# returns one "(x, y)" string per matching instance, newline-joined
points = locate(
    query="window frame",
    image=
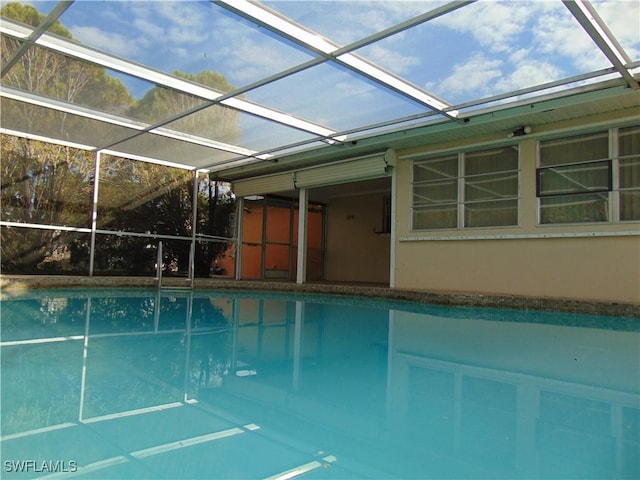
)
(613, 190)
(461, 180)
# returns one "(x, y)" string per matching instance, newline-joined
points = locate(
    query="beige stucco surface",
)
(598, 261)
(601, 268)
(355, 250)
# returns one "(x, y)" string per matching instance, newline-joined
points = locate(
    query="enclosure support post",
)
(303, 211)
(234, 340)
(194, 228)
(187, 352)
(94, 213)
(159, 258)
(392, 235)
(238, 235)
(297, 345)
(85, 354)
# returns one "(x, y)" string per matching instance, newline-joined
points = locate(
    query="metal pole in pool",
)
(158, 278)
(194, 228)
(85, 355)
(187, 353)
(94, 214)
(297, 344)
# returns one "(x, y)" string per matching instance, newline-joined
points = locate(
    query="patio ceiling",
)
(305, 80)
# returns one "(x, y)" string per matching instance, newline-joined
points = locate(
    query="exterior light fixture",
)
(520, 132)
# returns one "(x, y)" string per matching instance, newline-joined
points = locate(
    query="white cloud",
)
(355, 89)
(181, 52)
(495, 25)
(559, 33)
(347, 21)
(249, 60)
(481, 76)
(391, 59)
(475, 75)
(148, 28)
(115, 43)
(527, 75)
(174, 22)
(621, 17)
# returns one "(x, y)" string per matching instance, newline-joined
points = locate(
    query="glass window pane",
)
(630, 205)
(491, 214)
(630, 189)
(435, 217)
(489, 161)
(144, 197)
(587, 177)
(492, 186)
(45, 183)
(629, 141)
(435, 193)
(38, 251)
(580, 148)
(630, 173)
(436, 169)
(591, 207)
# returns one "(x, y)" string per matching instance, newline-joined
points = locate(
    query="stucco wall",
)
(588, 262)
(598, 268)
(354, 252)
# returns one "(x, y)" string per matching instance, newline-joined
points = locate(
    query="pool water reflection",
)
(200, 384)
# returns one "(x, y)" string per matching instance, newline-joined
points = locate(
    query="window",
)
(474, 189)
(629, 176)
(582, 179)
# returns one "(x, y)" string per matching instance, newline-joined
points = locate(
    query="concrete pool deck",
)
(17, 283)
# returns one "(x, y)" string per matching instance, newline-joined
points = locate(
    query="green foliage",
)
(216, 122)
(53, 185)
(42, 183)
(215, 210)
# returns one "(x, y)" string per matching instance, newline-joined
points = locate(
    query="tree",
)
(45, 183)
(53, 185)
(215, 122)
(54, 75)
(215, 211)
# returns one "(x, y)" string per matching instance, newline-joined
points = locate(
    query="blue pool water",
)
(178, 384)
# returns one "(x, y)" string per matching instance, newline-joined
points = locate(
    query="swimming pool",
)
(201, 384)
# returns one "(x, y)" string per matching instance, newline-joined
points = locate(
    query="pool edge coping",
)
(12, 283)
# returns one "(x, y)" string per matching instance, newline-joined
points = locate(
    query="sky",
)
(487, 48)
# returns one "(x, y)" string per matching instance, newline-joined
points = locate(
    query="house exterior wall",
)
(597, 261)
(354, 251)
